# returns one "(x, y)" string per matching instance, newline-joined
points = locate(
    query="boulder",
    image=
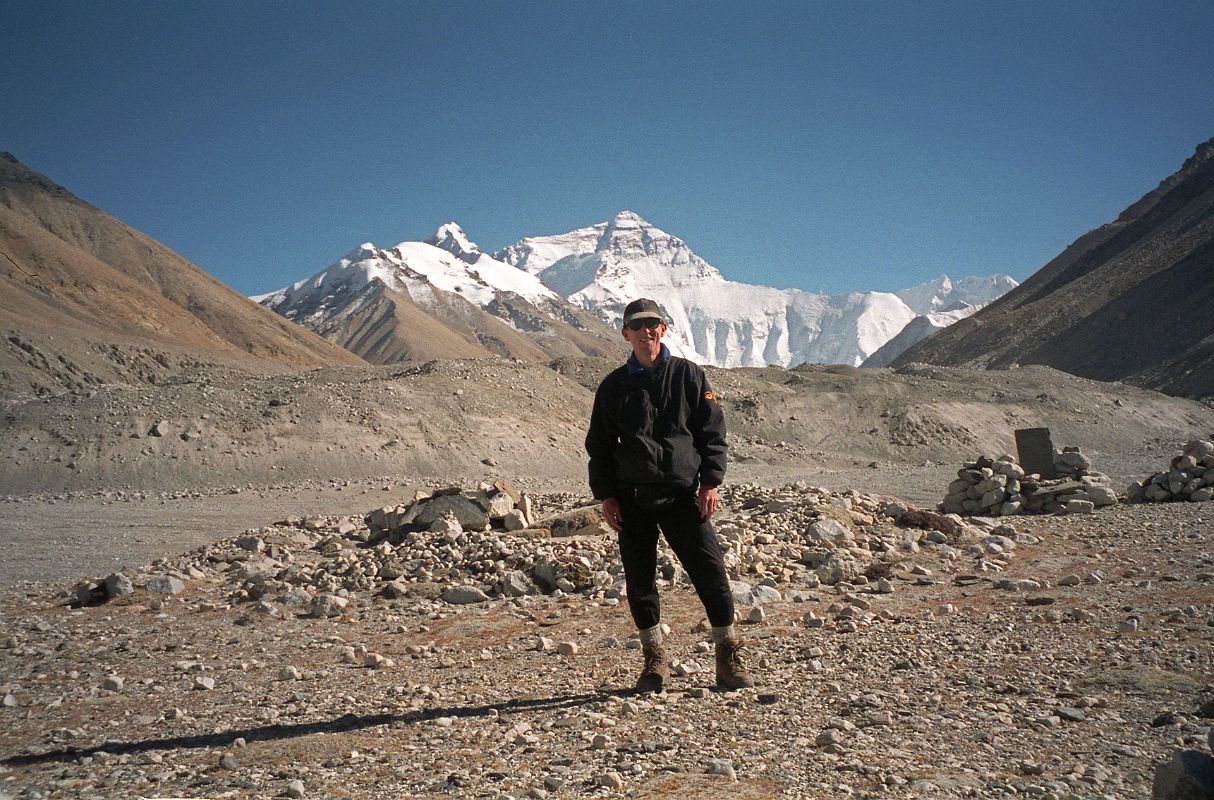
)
(463, 595)
(585, 521)
(117, 585)
(1188, 775)
(468, 513)
(164, 584)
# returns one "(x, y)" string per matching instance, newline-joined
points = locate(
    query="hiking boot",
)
(731, 666)
(656, 671)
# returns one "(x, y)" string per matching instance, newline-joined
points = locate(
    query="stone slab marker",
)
(1035, 450)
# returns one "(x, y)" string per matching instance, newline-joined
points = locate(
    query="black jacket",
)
(662, 428)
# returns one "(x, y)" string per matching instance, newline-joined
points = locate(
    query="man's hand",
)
(707, 501)
(611, 513)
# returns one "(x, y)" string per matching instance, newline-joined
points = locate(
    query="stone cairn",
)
(999, 487)
(1190, 476)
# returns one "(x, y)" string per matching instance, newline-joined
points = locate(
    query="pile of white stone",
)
(776, 542)
(999, 487)
(1190, 476)
(490, 506)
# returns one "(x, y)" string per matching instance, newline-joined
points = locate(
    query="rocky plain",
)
(222, 585)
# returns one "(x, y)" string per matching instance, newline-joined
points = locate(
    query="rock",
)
(298, 597)
(89, 593)
(1101, 496)
(396, 589)
(722, 766)
(743, 593)
(765, 594)
(514, 520)
(117, 584)
(515, 583)
(1188, 775)
(164, 584)
(1078, 507)
(463, 595)
(828, 737)
(253, 544)
(289, 673)
(113, 683)
(468, 513)
(295, 788)
(756, 615)
(586, 521)
(500, 505)
(204, 683)
(611, 780)
(567, 649)
(159, 429)
(829, 530)
(328, 605)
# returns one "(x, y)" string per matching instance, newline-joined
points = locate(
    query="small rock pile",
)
(492, 506)
(1190, 476)
(999, 487)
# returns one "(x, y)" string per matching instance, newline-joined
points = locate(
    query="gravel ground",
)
(1067, 660)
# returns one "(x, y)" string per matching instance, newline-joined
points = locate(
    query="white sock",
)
(723, 633)
(651, 636)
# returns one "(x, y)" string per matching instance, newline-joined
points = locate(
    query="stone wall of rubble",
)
(1190, 476)
(999, 487)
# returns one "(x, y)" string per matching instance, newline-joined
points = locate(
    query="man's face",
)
(647, 342)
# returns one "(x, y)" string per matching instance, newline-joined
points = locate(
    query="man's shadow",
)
(342, 724)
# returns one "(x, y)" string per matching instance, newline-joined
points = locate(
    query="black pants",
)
(694, 543)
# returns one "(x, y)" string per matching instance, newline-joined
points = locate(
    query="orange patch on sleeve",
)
(710, 396)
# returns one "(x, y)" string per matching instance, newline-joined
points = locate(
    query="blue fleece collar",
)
(635, 368)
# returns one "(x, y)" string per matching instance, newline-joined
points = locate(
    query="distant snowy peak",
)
(415, 268)
(451, 237)
(607, 250)
(942, 294)
(715, 321)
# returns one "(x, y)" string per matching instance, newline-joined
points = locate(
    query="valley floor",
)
(950, 685)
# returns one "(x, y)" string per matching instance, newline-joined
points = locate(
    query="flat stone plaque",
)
(1035, 449)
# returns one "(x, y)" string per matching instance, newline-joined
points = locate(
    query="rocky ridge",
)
(1139, 280)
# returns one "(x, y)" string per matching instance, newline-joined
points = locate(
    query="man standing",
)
(657, 455)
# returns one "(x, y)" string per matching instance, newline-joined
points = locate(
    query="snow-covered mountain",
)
(438, 298)
(726, 323)
(551, 296)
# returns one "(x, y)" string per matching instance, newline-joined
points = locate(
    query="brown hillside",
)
(1132, 300)
(70, 271)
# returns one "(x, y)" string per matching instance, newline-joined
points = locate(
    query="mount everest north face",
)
(566, 293)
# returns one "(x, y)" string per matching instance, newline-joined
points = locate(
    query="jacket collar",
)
(635, 368)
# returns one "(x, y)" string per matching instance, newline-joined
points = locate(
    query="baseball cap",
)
(641, 308)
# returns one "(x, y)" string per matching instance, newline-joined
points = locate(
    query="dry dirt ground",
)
(959, 682)
(992, 697)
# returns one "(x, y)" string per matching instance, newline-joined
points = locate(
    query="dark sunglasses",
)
(649, 324)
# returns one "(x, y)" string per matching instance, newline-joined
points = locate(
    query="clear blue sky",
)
(831, 146)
